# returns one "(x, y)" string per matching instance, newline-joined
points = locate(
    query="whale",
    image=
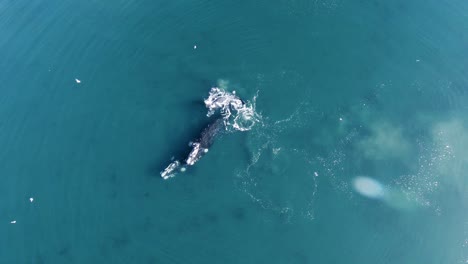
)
(228, 113)
(199, 147)
(206, 139)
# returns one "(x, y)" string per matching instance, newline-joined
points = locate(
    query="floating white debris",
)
(368, 187)
(418, 60)
(316, 174)
(77, 81)
(341, 119)
(195, 47)
(13, 222)
(31, 199)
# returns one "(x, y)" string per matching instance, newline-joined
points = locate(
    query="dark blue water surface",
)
(360, 154)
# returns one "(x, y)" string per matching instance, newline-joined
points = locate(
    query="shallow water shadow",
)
(211, 218)
(65, 252)
(120, 241)
(238, 213)
(39, 259)
(189, 225)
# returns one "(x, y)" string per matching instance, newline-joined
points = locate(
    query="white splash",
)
(236, 113)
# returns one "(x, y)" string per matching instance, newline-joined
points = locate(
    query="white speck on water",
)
(77, 81)
(31, 199)
(195, 47)
(13, 222)
(316, 174)
(341, 119)
(418, 60)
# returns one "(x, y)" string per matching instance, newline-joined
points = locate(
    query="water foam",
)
(237, 114)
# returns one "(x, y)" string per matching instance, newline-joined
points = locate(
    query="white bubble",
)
(195, 47)
(13, 222)
(368, 187)
(77, 81)
(31, 199)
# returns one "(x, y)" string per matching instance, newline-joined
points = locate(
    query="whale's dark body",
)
(199, 147)
(207, 137)
(209, 133)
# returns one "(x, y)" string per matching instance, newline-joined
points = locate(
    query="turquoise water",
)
(345, 90)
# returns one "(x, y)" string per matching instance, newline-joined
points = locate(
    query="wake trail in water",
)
(279, 177)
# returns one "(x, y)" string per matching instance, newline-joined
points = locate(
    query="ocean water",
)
(360, 154)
